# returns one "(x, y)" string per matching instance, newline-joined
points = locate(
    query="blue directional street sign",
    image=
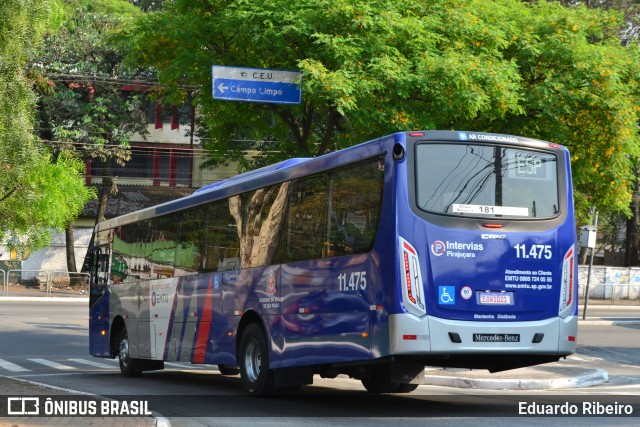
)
(256, 85)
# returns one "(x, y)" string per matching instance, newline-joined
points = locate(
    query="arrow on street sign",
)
(256, 85)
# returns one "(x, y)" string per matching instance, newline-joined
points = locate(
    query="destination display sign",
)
(256, 85)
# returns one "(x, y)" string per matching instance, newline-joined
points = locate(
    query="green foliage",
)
(35, 195)
(83, 108)
(49, 196)
(92, 118)
(579, 89)
(630, 9)
(148, 5)
(370, 68)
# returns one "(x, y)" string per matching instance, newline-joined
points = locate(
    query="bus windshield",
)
(486, 181)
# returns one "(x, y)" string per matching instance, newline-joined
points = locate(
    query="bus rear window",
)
(486, 181)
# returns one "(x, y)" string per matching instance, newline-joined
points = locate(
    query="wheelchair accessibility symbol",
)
(446, 294)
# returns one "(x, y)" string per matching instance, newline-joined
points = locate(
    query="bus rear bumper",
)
(410, 335)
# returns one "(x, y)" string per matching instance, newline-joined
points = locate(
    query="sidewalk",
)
(544, 377)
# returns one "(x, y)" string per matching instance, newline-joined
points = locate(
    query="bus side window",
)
(355, 201)
(306, 219)
(221, 242)
(163, 246)
(188, 257)
(259, 216)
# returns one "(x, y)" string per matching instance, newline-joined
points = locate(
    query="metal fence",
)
(44, 283)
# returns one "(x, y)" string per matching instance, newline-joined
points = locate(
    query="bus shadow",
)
(209, 394)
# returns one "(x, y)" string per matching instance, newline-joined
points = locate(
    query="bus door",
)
(98, 301)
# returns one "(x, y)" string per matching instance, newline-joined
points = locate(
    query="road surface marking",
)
(92, 363)
(53, 365)
(12, 366)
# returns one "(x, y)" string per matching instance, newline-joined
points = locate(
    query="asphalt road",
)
(46, 342)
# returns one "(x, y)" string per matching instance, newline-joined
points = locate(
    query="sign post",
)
(256, 85)
(588, 240)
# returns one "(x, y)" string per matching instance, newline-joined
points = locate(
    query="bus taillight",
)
(566, 287)
(412, 293)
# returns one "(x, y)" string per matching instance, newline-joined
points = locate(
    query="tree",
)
(617, 223)
(630, 31)
(35, 194)
(374, 67)
(83, 109)
(579, 89)
(148, 5)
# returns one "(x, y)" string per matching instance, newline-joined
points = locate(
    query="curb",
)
(591, 377)
(83, 300)
(608, 322)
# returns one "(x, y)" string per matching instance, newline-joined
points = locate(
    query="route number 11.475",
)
(533, 251)
(353, 281)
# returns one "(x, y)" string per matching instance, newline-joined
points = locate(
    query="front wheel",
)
(128, 366)
(257, 379)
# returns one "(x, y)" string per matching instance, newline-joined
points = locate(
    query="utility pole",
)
(590, 243)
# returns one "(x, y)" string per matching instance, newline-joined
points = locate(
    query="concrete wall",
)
(610, 283)
(54, 257)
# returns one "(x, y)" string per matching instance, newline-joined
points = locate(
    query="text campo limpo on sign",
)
(254, 91)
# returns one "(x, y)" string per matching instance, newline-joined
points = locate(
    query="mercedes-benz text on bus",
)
(438, 248)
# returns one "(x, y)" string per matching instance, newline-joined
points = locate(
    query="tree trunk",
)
(631, 240)
(107, 188)
(71, 254)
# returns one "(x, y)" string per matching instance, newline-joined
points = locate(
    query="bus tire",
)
(405, 388)
(255, 375)
(378, 380)
(128, 366)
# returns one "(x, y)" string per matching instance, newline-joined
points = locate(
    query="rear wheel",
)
(128, 366)
(257, 379)
(378, 380)
(378, 385)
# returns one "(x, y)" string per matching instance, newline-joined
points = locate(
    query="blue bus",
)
(432, 248)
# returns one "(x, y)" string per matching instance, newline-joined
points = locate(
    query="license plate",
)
(496, 337)
(495, 298)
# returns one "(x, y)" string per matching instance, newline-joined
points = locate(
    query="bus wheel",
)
(378, 380)
(257, 379)
(128, 366)
(405, 388)
(228, 370)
